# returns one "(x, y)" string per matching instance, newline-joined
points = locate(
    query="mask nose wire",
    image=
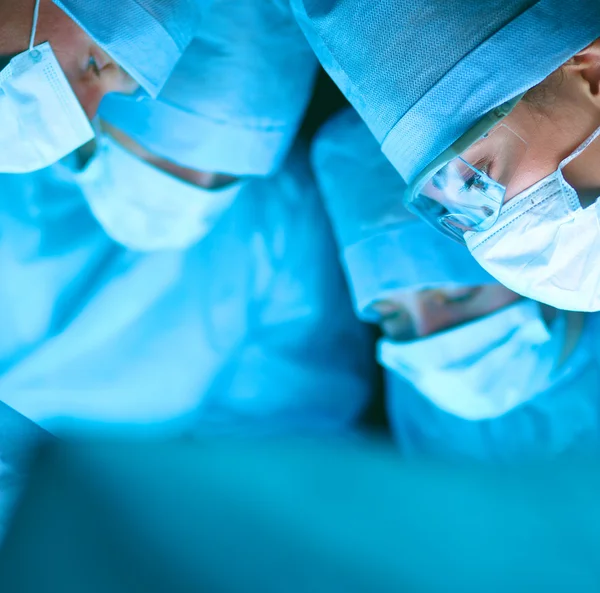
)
(36, 14)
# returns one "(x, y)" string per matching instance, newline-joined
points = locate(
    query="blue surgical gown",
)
(251, 327)
(563, 420)
(386, 252)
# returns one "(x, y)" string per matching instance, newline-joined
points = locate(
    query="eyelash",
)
(463, 298)
(93, 65)
(482, 166)
(395, 316)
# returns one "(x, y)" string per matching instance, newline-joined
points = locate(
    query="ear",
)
(587, 65)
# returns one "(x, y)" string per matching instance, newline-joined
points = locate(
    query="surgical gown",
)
(386, 252)
(252, 327)
(563, 420)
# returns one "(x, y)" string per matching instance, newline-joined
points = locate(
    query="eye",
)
(460, 295)
(397, 316)
(398, 326)
(478, 179)
(471, 181)
(93, 66)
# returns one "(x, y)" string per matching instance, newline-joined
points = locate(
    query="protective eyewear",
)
(464, 189)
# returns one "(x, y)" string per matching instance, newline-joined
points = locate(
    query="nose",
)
(427, 318)
(92, 87)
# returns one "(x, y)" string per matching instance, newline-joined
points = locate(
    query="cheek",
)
(494, 298)
(529, 173)
(70, 43)
(71, 66)
(432, 318)
(86, 86)
(545, 147)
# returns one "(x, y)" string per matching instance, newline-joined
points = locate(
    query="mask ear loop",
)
(572, 196)
(36, 14)
(579, 149)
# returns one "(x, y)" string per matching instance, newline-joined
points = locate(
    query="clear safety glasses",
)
(464, 189)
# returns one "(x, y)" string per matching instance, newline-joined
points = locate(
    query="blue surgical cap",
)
(384, 248)
(145, 37)
(236, 100)
(421, 73)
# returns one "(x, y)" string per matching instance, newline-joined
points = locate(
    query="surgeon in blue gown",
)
(186, 277)
(490, 112)
(59, 58)
(473, 370)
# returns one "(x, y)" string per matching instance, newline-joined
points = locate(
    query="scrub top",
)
(386, 252)
(252, 327)
(563, 420)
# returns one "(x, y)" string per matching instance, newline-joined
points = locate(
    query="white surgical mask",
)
(144, 208)
(41, 120)
(485, 368)
(544, 245)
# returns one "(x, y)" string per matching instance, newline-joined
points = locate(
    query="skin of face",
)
(410, 316)
(413, 315)
(90, 71)
(199, 178)
(555, 129)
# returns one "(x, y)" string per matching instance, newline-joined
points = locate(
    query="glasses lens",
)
(468, 192)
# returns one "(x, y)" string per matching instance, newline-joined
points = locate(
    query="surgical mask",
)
(485, 368)
(544, 245)
(41, 120)
(144, 208)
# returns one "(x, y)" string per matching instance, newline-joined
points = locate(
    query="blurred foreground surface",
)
(19, 438)
(297, 517)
